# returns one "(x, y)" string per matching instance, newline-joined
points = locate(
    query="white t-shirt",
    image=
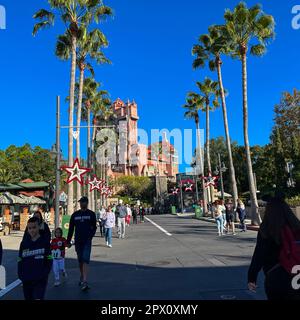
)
(129, 212)
(219, 210)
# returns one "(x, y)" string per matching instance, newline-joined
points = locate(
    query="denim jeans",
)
(242, 218)
(121, 227)
(224, 219)
(108, 235)
(220, 225)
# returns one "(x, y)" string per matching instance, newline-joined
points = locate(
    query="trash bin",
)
(173, 210)
(65, 225)
(198, 212)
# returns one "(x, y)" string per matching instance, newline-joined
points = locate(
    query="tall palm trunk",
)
(79, 111)
(71, 123)
(93, 163)
(89, 149)
(256, 219)
(211, 188)
(208, 138)
(201, 167)
(228, 141)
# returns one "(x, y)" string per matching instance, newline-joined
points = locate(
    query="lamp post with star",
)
(57, 153)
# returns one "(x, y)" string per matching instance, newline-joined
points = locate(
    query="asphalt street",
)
(176, 258)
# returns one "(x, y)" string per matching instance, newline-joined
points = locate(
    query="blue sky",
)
(150, 47)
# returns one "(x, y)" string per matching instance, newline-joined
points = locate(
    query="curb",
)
(249, 226)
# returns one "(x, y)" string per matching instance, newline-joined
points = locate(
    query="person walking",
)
(219, 217)
(230, 216)
(142, 214)
(121, 211)
(134, 214)
(101, 221)
(84, 223)
(34, 262)
(129, 215)
(223, 209)
(277, 251)
(241, 210)
(109, 220)
(58, 250)
(43, 228)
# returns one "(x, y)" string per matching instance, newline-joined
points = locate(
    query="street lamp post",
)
(220, 169)
(196, 182)
(56, 151)
(181, 197)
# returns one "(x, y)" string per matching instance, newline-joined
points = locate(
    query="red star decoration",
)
(95, 184)
(175, 190)
(188, 187)
(106, 191)
(210, 181)
(76, 172)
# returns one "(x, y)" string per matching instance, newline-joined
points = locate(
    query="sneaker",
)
(80, 283)
(56, 283)
(110, 245)
(107, 243)
(234, 234)
(85, 286)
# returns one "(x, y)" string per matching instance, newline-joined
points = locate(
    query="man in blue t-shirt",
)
(84, 223)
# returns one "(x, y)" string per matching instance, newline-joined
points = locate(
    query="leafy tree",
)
(136, 187)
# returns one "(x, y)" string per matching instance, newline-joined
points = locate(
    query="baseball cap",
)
(84, 199)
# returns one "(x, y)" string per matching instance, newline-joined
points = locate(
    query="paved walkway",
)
(167, 257)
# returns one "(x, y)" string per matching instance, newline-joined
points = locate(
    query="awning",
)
(10, 199)
(226, 195)
(32, 200)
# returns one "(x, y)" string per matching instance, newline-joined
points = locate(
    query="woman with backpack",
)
(277, 251)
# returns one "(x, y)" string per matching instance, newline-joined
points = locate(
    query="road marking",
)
(217, 262)
(159, 227)
(10, 287)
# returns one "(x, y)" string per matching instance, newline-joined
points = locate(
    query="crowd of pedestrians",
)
(40, 252)
(224, 214)
(277, 251)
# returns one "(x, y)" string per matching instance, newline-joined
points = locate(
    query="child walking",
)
(110, 220)
(58, 248)
(34, 262)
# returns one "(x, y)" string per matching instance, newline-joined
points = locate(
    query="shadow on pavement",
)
(155, 280)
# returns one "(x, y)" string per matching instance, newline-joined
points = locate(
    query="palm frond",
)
(258, 50)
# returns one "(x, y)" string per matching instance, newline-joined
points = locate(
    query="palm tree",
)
(75, 14)
(244, 25)
(213, 45)
(89, 48)
(210, 92)
(194, 103)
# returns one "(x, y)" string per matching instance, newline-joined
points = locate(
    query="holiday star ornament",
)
(76, 172)
(95, 184)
